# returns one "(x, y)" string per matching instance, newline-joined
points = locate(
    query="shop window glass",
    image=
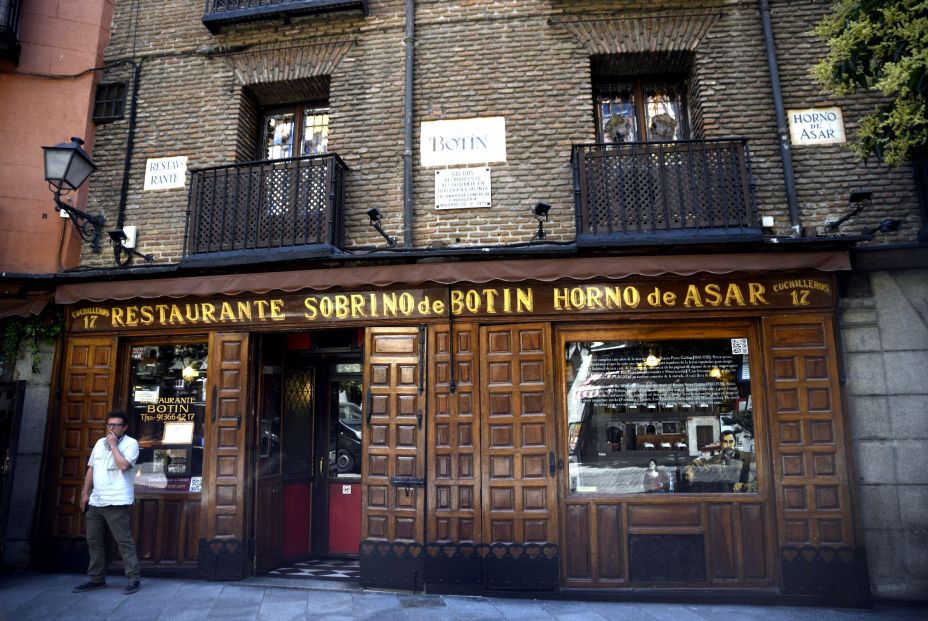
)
(167, 403)
(668, 416)
(345, 428)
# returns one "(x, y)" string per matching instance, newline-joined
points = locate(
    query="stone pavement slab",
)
(48, 597)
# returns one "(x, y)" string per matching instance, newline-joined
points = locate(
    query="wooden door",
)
(221, 554)
(454, 431)
(87, 388)
(394, 442)
(519, 462)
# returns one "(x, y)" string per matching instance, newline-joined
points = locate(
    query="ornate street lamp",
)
(67, 166)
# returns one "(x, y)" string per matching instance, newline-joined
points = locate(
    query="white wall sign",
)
(165, 173)
(463, 141)
(462, 188)
(816, 126)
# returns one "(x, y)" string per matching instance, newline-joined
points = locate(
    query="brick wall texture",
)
(527, 61)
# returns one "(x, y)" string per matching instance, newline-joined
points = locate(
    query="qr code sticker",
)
(739, 346)
(196, 484)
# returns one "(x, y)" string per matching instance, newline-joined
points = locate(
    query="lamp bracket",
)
(89, 229)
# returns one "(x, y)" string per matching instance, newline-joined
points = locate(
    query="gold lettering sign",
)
(559, 300)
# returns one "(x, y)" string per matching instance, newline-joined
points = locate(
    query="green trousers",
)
(116, 517)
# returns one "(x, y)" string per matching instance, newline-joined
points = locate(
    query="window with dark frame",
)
(294, 131)
(640, 110)
(110, 102)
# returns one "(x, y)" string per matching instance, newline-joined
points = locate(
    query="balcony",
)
(9, 29)
(266, 211)
(221, 13)
(692, 191)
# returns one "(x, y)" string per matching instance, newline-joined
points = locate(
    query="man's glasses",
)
(115, 425)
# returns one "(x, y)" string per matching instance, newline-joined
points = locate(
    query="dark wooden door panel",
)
(519, 462)
(226, 455)
(454, 426)
(807, 433)
(393, 438)
(87, 387)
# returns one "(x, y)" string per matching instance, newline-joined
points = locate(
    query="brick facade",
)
(526, 61)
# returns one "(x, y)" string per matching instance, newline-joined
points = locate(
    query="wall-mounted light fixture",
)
(857, 201)
(540, 213)
(123, 241)
(889, 225)
(374, 214)
(67, 166)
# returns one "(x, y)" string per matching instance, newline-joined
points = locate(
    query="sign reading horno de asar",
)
(816, 126)
(560, 300)
(463, 141)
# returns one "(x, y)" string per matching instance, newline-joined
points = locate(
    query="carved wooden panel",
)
(394, 443)
(167, 529)
(87, 396)
(225, 460)
(519, 491)
(807, 432)
(454, 425)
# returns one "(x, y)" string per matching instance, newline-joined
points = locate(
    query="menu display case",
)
(167, 404)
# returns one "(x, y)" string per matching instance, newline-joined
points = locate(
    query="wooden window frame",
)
(638, 85)
(298, 110)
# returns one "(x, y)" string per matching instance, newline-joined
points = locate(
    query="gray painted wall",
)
(17, 549)
(884, 327)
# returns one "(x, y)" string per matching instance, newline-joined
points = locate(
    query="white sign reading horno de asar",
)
(816, 126)
(463, 141)
(165, 173)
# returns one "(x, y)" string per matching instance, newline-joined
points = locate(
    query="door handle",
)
(215, 405)
(552, 463)
(370, 405)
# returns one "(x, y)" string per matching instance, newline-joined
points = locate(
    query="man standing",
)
(109, 476)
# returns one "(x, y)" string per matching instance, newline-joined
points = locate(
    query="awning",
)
(448, 273)
(18, 307)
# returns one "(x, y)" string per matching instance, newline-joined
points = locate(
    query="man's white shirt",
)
(112, 486)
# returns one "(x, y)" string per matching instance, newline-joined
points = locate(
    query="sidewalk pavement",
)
(48, 597)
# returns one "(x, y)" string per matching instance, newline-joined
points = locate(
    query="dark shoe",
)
(88, 586)
(132, 587)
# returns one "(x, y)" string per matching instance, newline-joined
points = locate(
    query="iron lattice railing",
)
(682, 190)
(223, 12)
(264, 205)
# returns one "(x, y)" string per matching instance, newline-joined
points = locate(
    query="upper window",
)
(640, 110)
(110, 102)
(660, 416)
(294, 131)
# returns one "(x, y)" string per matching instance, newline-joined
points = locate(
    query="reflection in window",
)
(660, 416)
(166, 409)
(345, 428)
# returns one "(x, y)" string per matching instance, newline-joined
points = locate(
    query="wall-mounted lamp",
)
(374, 214)
(540, 213)
(123, 241)
(889, 225)
(67, 166)
(857, 200)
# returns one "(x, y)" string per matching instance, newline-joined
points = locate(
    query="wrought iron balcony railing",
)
(293, 205)
(687, 191)
(221, 13)
(9, 30)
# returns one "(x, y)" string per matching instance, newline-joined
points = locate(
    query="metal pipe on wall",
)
(782, 129)
(407, 124)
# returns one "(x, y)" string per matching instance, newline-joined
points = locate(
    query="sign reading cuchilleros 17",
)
(562, 300)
